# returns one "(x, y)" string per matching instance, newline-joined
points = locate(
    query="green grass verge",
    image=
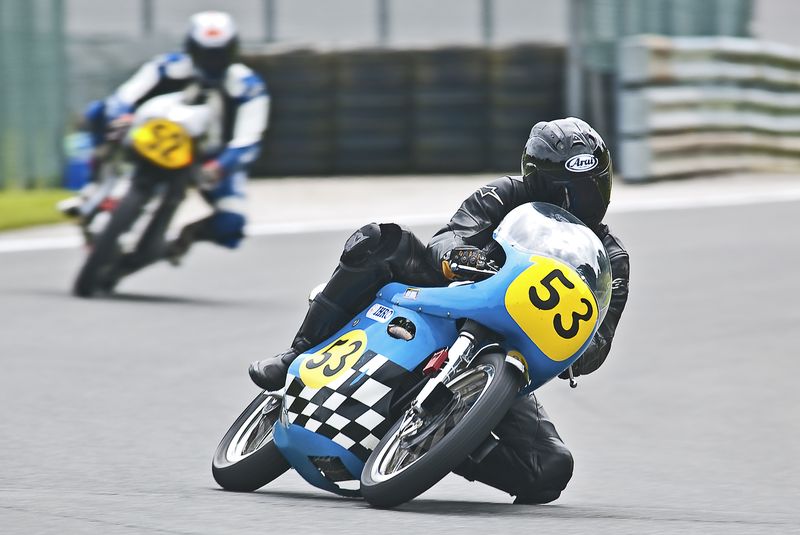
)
(20, 208)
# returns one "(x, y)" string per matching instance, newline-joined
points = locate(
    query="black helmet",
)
(566, 163)
(212, 42)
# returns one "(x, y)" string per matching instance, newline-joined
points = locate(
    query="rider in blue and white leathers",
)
(241, 97)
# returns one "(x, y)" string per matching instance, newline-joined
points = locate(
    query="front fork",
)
(435, 394)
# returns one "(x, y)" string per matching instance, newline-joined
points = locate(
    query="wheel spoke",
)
(257, 439)
(468, 387)
(255, 432)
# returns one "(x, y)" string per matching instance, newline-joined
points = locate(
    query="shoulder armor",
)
(175, 65)
(242, 83)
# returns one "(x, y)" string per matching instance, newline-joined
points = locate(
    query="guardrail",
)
(700, 105)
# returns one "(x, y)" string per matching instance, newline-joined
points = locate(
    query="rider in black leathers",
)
(565, 163)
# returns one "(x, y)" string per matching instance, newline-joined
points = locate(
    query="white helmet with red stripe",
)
(212, 41)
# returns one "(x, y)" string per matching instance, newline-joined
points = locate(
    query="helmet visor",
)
(583, 197)
(212, 62)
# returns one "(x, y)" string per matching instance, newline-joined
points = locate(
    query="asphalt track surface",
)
(111, 408)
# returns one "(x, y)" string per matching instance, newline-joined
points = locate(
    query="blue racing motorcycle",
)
(415, 383)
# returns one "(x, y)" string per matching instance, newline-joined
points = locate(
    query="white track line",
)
(740, 198)
(13, 245)
(330, 225)
(17, 245)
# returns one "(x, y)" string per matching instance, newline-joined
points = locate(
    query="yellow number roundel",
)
(164, 143)
(334, 359)
(554, 306)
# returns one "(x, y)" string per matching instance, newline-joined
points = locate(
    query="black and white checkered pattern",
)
(352, 410)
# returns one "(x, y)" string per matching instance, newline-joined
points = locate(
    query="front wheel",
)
(414, 455)
(97, 272)
(247, 457)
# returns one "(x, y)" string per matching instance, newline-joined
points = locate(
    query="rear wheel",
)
(247, 457)
(416, 453)
(97, 272)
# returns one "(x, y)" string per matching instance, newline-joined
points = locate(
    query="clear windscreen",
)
(545, 229)
(195, 118)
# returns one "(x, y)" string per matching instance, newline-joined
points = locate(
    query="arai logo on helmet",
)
(581, 163)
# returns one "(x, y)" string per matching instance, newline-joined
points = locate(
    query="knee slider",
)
(227, 228)
(361, 245)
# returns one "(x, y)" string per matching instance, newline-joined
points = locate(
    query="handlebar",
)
(461, 269)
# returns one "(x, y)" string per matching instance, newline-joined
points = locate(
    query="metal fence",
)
(32, 91)
(597, 26)
(692, 106)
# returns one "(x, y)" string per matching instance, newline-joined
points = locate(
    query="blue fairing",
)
(297, 444)
(434, 312)
(432, 333)
(460, 302)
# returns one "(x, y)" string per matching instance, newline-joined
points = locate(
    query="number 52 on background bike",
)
(162, 145)
(416, 382)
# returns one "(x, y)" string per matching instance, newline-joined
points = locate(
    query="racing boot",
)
(175, 250)
(71, 207)
(324, 317)
(372, 256)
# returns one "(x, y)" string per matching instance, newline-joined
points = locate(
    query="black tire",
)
(466, 435)
(95, 274)
(252, 470)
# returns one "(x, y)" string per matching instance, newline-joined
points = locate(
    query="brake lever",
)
(460, 269)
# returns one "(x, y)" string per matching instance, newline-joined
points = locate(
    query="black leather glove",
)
(463, 255)
(592, 358)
